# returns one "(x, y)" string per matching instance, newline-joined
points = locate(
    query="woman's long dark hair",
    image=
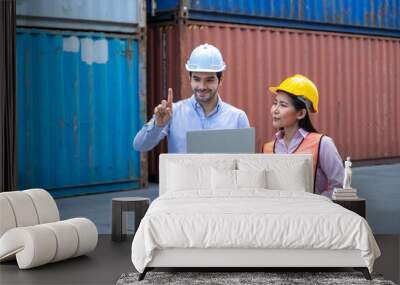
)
(304, 123)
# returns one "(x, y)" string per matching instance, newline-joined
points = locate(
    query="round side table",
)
(138, 205)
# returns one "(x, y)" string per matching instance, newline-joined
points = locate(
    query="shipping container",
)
(375, 17)
(358, 78)
(79, 104)
(118, 16)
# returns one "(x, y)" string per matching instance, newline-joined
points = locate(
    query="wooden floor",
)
(111, 259)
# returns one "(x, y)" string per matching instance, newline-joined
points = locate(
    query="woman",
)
(294, 99)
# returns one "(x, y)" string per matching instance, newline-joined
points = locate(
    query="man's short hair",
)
(218, 74)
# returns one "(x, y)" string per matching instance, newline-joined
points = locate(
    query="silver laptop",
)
(221, 141)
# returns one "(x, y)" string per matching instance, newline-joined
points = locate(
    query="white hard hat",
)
(205, 58)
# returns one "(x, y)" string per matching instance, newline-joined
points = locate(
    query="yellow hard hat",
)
(300, 86)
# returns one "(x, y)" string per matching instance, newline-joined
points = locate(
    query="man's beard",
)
(208, 98)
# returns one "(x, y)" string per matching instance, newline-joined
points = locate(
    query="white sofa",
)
(200, 193)
(31, 231)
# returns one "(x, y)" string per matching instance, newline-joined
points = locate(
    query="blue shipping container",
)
(78, 110)
(121, 16)
(376, 17)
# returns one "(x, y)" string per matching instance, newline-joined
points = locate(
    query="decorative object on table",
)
(347, 174)
(344, 194)
(31, 231)
(347, 192)
(243, 278)
(120, 208)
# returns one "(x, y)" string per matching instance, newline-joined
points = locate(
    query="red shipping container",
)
(358, 78)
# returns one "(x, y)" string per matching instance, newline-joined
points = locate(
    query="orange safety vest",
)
(310, 144)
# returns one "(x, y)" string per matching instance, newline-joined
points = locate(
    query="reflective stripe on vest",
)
(310, 144)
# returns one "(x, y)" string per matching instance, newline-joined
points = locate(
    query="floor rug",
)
(243, 278)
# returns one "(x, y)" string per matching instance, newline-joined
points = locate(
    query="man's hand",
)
(163, 111)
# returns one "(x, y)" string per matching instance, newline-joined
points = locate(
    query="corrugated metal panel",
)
(164, 5)
(163, 59)
(358, 78)
(78, 109)
(367, 17)
(8, 119)
(99, 15)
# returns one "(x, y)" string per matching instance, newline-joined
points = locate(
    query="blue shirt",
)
(188, 115)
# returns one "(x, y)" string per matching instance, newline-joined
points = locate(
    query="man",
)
(203, 110)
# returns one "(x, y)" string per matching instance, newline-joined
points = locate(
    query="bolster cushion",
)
(26, 208)
(40, 244)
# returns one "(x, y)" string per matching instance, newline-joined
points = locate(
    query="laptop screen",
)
(221, 141)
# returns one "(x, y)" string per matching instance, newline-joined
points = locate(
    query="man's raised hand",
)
(163, 112)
